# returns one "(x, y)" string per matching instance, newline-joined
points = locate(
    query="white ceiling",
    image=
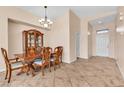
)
(103, 20)
(55, 11)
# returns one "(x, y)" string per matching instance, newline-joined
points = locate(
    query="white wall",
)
(84, 39)
(112, 40)
(90, 29)
(63, 33)
(74, 22)
(19, 15)
(3, 37)
(119, 40)
(93, 42)
(59, 35)
(120, 51)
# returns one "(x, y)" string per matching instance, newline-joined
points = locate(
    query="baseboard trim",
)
(120, 69)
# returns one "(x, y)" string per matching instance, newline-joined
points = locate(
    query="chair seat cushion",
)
(52, 59)
(38, 59)
(38, 62)
(16, 65)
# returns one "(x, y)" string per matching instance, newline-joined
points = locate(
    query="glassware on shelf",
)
(32, 36)
(28, 36)
(39, 38)
(32, 41)
(32, 44)
(39, 44)
(28, 45)
(29, 41)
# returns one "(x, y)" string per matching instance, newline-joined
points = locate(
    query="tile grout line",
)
(68, 76)
(83, 76)
(54, 79)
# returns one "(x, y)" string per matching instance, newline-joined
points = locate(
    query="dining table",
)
(28, 59)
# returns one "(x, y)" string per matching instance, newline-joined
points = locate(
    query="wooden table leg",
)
(32, 69)
(20, 72)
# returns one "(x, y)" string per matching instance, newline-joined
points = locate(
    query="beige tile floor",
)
(95, 72)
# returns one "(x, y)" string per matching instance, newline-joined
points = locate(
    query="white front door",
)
(102, 44)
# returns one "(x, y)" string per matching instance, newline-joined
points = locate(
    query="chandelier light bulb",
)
(50, 22)
(45, 23)
(89, 33)
(121, 18)
(121, 13)
(40, 20)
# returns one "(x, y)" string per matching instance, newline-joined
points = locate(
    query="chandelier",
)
(45, 22)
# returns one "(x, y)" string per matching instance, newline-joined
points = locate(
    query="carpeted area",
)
(95, 72)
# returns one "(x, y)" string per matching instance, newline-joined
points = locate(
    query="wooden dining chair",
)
(46, 54)
(11, 64)
(61, 52)
(31, 51)
(57, 56)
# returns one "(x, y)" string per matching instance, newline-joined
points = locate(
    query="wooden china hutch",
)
(32, 39)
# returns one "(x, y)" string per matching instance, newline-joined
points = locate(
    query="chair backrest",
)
(47, 53)
(31, 51)
(49, 49)
(57, 55)
(38, 50)
(4, 53)
(59, 50)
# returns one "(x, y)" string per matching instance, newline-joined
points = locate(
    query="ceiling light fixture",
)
(100, 22)
(89, 33)
(45, 22)
(121, 13)
(121, 16)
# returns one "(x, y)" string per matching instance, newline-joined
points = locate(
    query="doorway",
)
(102, 43)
